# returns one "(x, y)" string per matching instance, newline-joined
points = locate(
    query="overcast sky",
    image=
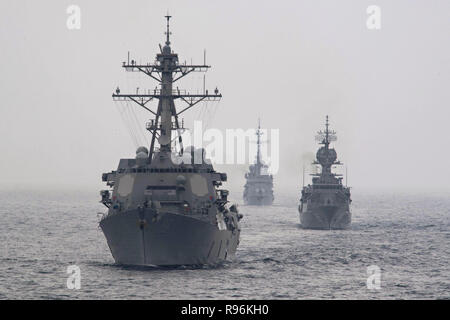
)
(288, 62)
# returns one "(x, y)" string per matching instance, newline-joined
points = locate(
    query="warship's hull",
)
(258, 200)
(325, 217)
(169, 239)
(258, 193)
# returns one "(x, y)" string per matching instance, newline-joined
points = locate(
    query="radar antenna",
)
(327, 136)
(166, 70)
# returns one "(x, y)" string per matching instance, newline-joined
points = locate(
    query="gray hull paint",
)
(258, 201)
(326, 218)
(171, 239)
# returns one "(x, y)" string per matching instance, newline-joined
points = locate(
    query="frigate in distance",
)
(166, 206)
(326, 203)
(258, 189)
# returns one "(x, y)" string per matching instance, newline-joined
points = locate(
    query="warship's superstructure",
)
(165, 207)
(326, 203)
(258, 189)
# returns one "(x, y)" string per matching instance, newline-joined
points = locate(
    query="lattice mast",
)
(259, 163)
(326, 157)
(328, 135)
(166, 70)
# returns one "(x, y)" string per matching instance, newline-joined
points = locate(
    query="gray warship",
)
(258, 189)
(166, 207)
(326, 203)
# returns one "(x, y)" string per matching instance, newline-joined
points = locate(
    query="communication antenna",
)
(168, 33)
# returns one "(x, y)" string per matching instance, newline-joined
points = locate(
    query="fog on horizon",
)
(289, 63)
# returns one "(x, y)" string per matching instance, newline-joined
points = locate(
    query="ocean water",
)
(406, 235)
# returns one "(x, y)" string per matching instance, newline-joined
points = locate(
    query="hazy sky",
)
(288, 62)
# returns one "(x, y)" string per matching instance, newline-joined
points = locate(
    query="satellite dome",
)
(141, 159)
(142, 149)
(181, 179)
(141, 155)
(166, 49)
(326, 156)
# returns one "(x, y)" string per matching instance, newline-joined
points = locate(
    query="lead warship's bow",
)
(165, 206)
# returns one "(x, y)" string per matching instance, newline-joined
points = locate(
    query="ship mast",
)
(327, 132)
(258, 153)
(327, 136)
(326, 157)
(166, 70)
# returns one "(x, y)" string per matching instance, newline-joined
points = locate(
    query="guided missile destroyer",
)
(326, 203)
(258, 189)
(165, 207)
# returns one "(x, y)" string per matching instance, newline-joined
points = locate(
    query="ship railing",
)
(157, 92)
(327, 186)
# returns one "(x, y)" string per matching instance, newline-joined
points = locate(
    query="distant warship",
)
(258, 189)
(326, 203)
(165, 207)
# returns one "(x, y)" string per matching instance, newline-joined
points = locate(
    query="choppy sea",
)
(407, 236)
